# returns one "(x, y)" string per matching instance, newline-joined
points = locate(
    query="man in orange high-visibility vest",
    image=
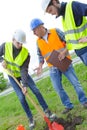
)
(47, 41)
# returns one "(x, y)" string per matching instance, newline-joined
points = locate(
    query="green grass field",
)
(12, 114)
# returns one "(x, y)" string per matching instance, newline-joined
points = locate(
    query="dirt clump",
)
(69, 123)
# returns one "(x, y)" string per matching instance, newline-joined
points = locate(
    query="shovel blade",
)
(56, 126)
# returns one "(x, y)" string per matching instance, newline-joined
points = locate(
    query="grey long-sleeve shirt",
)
(23, 68)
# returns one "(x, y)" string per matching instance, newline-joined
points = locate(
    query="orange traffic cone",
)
(20, 127)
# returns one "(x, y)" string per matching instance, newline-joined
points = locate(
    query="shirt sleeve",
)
(79, 10)
(61, 34)
(40, 57)
(24, 71)
(2, 48)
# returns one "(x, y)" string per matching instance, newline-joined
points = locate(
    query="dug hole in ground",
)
(69, 123)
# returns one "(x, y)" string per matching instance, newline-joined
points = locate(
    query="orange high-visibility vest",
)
(54, 43)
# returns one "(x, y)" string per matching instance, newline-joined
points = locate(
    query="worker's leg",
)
(56, 78)
(37, 93)
(21, 97)
(70, 74)
(82, 54)
(83, 57)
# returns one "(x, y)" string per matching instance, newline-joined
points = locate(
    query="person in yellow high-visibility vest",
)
(16, 59)
(47, 41)
(74, 23)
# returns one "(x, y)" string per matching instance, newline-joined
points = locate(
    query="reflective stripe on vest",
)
(54, 43)
(14, 64)
(73, 33)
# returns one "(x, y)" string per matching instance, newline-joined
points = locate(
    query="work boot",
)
(85, 105)
(66, 110)
(31, 123)
(50, 115)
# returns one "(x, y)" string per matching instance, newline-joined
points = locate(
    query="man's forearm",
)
(65, 51)
(41, 64)
(24, 71)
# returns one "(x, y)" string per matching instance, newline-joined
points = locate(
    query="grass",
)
(12, 114)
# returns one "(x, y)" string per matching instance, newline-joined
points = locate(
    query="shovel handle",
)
(30, 99)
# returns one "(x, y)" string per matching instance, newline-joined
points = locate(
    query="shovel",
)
(52, 125)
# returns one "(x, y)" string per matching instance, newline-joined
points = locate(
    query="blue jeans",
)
(56, 78)
(22, 98)
(83, 57)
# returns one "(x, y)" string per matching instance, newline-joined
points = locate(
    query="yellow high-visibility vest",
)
(54, 43)
(14, 64)
(73, 33)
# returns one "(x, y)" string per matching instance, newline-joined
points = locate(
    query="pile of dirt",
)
(69, 123)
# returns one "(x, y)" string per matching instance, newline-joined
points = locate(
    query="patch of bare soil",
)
(69, 123)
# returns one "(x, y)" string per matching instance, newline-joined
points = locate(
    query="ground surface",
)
(69, 123)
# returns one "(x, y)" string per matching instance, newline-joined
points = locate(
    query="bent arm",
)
(24, 71)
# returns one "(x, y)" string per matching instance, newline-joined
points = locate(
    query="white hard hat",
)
(20, 36)
(45, 4)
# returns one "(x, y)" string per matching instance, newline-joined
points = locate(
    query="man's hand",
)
(39, 69)
(62, 54)
(4, 64)
(24, 90)
(82, 40)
